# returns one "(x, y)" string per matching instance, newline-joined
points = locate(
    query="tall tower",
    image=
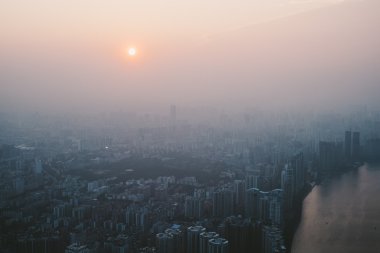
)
(328, 156)
(203, 240)
(218, 245)
(239, 191)
(178, 239)
(347, 144)
(193, 207)
(252, 179)
(272, 240)
(165, 243)
(299, 170)
(37, 166)
(223, 203)
(252, 197)
(193, 234)
(288, 186)
(356, 146)
(275, 209)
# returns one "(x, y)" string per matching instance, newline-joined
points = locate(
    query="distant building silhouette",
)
(372, 151)
(347, 144)
(223, 203)
(293, 179)
(252, 179)
(193, 207)
(297, 162)
(328, 156)
(265, 206)
(356, 146)
(252, 197)
(239, 195)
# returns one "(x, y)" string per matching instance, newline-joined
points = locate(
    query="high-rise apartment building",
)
(193, 238)
(218, 245)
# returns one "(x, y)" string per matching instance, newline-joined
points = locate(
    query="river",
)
(342, 215)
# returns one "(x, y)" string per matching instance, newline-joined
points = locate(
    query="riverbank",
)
(341, 215)
(293, 219)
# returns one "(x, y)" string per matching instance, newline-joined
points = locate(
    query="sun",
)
(132, 51)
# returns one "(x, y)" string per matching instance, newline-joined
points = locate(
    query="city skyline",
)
(137, 126)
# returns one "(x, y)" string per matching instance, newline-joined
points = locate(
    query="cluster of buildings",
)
(73, 214)
(194, 240)
(209, 188)
(337, 155)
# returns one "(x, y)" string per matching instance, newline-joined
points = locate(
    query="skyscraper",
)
(300, 173)
(252, 179)
(252, 197)
(328, 156)
(165, 243)
(272, 240)
(193, 207)
(218, 245)
(203, 240)
(356, 146)
(76, 248)
(193, 234)
(265, 206)
(241, 234)
(239, 192)
(178, 239)
(275, 210)
(347, 144)
(37, 166)
(288, 186)
(223, 203)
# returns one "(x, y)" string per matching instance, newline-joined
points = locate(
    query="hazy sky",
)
(72, 54)
(120, 21)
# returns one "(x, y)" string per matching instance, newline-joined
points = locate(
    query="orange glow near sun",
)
(132, 54)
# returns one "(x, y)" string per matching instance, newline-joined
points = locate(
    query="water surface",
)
(342, 215)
